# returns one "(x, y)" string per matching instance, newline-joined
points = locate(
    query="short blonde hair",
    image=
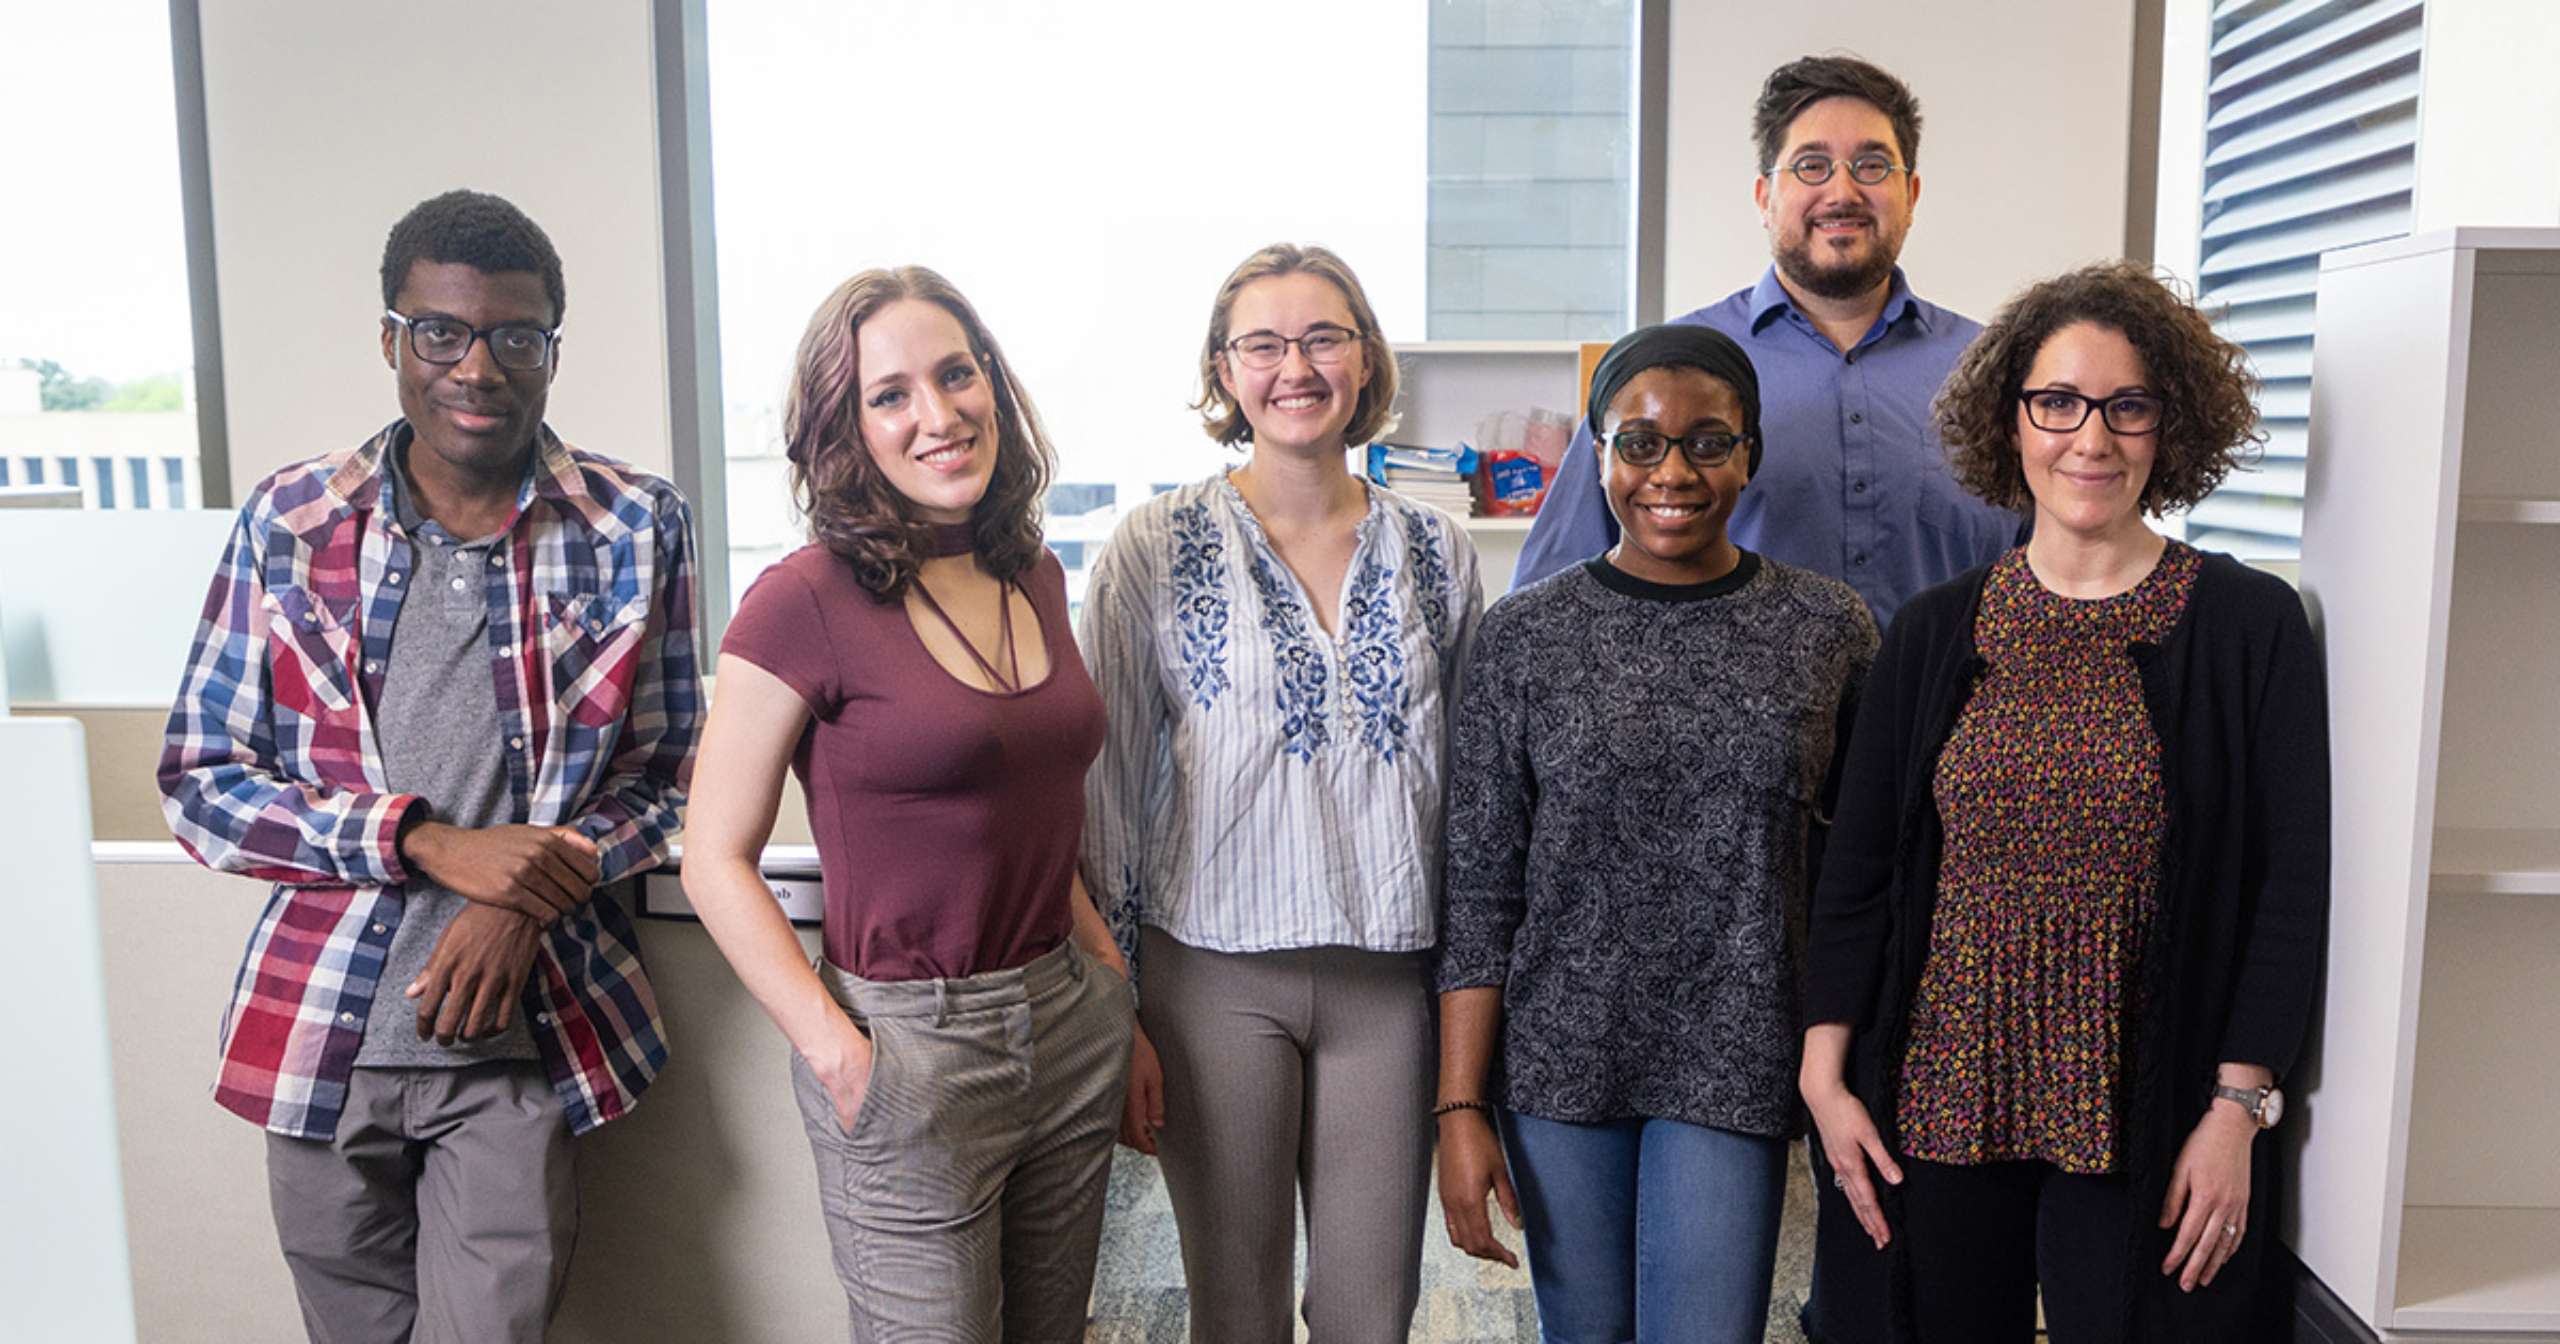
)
(1372, 414)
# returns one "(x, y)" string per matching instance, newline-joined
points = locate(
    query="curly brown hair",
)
(2208, 393)
(1372, 415)
(852, 509)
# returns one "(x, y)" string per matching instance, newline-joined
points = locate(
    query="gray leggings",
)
(1303, 1070)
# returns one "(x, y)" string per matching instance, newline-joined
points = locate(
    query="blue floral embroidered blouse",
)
(1263, 784)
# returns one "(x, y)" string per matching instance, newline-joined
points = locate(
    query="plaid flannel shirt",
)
(271, 767)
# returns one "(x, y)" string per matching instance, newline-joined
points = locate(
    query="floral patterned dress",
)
(2050, 790)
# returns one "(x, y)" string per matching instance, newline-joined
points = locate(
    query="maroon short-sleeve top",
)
(947, 817)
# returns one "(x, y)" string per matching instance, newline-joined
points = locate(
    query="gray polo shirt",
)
(437, 726)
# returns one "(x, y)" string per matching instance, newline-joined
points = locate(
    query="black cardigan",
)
(2230, 969)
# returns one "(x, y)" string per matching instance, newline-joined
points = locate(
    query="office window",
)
(1532, 169)
(96, 347)
(1088, 193)
(2311, 144)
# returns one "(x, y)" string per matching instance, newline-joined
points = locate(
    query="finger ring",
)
(2231, 1229)
(1839, 1182)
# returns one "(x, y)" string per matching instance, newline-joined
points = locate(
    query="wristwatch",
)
(2264, 1104)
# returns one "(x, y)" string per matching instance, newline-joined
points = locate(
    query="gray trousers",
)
(1307, 1070)
(443, 1211)
(965, 1204)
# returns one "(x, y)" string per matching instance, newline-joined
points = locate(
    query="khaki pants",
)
(443, 1211)
(965, 1204)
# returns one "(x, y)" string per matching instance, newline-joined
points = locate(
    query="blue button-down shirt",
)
(1853, 482)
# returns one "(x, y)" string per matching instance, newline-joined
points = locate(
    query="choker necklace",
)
(951, 539)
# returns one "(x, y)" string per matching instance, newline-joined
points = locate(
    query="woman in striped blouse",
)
(1277, 646)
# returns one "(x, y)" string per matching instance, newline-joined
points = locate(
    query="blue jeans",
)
(1647, 1229)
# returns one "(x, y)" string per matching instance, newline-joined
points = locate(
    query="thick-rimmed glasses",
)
(2056, 411)
(1265, 349)
(1706, 448)
(442, 340)
(1813, 170)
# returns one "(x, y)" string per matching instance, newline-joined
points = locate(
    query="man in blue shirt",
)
(1854, 483)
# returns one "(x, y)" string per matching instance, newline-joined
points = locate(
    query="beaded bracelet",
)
(1446, 1107)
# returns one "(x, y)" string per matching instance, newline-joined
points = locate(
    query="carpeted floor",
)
(1138, 1296)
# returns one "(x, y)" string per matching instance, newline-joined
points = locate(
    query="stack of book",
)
(1443, 478)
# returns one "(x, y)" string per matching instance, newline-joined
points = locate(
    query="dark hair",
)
(852, 509)
(2208, 394)
(474, 229)
(1371, 415)
(1800, 83)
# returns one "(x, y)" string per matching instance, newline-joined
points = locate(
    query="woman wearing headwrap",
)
(1644, 747)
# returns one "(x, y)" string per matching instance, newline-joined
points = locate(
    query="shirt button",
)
(1851, 357)
(1857, 560)
(371, 666)
(494, 560)
(382, 928)
(393, 577)
(310, 618)
(1859, 486)
(543, 1018)
(506, 651)
(517, 743)
(461, 584)
(347, 1018)
(1857, 418)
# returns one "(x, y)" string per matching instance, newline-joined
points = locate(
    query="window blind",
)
(2311, 131)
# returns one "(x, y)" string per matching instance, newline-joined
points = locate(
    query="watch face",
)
(2270, 1109)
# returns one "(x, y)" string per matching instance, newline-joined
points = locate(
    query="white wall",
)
(2025, 147)
(2489, 115)
(327, 121)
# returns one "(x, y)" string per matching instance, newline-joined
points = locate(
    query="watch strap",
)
(2251, 1099)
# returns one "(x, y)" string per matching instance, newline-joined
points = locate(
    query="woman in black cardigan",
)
(2072, 909)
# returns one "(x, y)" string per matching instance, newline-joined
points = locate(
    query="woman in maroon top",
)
(962, 1048)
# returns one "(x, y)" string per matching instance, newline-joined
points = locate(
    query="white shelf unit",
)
(2429, 1194)
(1447, 386)
(1450, 385)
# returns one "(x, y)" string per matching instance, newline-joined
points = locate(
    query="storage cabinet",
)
(2429, 1189)
(1450, 385)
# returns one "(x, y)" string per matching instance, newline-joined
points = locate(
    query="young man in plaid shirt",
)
(444, 694)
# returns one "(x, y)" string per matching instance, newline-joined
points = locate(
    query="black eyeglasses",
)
(442, 340)
(1813, 170)
(1265, 349)
(1706, 448)
(2056, 411)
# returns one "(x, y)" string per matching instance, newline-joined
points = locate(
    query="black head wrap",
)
(1678, 345)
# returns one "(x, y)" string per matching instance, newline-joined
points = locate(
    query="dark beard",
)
(1796, 264)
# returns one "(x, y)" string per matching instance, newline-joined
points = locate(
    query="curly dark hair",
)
(852, 509)
(1372, 414)
(2208, 393)
(475, 229)
(1799, 84)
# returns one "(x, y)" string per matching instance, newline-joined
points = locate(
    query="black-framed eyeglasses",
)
(442, 340)
(2056, 411)
(1265, 349)
(1813, 170)
(1705, 448)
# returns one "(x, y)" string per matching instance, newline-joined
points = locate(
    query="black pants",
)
(1983, 1238)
